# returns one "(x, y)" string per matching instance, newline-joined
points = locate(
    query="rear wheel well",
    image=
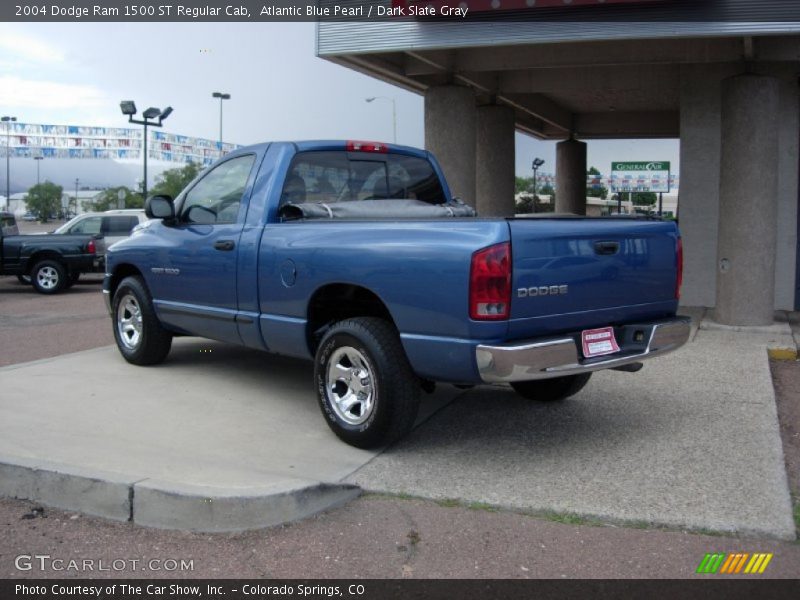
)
(43, 255)
(337, 302)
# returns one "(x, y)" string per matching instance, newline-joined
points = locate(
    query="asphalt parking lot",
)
(474, 520)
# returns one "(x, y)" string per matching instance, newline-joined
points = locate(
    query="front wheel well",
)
(337, 302)
(120, 273)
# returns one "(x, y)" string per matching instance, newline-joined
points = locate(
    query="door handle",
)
(224, 245)
(606, 247)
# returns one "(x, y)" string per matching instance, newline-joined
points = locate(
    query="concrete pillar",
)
(494, 168)
(571, 177)
(748, 201)
(698, 201)
(450, 123)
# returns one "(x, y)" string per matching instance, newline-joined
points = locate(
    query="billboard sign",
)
(640, 176)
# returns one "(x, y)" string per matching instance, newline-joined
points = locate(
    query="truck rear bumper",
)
(557, 357)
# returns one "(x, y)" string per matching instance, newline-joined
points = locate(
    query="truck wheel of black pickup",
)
(140, 337)
(366, 389)
(550, 390)
(24, 279)
(48, 277)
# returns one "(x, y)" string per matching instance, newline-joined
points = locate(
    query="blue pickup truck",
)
(355, 255)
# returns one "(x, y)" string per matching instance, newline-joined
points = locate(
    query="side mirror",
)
(159, 207)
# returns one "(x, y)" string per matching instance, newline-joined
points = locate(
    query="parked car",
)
(29, 216)
(113, 225)
(356, 256)
(49, 263)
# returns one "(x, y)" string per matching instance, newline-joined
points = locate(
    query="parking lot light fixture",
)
(38, 160)
(537, 162)
(128, 108)
(8, 120)
(222, 96)
(394, 113)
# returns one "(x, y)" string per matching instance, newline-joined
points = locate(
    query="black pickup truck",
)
(53, 262)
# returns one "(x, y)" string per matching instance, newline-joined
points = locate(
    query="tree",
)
(110, 199)
(523, 184)
(644, 198)
(547, 190)
(44, 199)
(597, 190)
(172, 181)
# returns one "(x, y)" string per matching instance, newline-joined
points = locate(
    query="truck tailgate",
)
(572, 273)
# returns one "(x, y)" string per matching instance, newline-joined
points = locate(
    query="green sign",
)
(640, 176)
(652, 165)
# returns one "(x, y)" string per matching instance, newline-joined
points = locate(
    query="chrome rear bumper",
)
(557, 357)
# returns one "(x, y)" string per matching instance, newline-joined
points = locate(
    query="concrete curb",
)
(167, 505)
(97, 493)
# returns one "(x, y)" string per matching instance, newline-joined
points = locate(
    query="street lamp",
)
(38, 159)
(8, 121)
(221, 97)
(394, 113)
(537, 162)
(128, 107)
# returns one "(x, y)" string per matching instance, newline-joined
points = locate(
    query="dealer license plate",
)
(597, 342)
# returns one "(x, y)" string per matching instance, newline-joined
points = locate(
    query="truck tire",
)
(551, 390)
(140, 337)
(366, 389)
(24, 279)
(48, 276)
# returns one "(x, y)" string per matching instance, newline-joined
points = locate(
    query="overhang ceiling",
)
(598, 89)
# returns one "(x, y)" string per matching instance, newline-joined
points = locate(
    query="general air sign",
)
(635, 176)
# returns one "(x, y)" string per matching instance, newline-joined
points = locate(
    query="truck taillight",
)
(679, 278)
(490, 283)
(355, 146)
(91, 248)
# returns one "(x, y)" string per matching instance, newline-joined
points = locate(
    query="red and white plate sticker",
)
(597, 342)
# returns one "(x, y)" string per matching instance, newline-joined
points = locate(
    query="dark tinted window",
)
(121, 225)
(341, 177)
(8, 224)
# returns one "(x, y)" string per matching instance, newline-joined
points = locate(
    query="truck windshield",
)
(342, 177)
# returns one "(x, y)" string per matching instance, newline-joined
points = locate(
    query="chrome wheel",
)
(129, 322)
(349, 383)
(48, 278)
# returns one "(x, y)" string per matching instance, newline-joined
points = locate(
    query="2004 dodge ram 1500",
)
(355, 255)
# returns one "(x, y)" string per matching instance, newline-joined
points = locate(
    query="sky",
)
(77, 73)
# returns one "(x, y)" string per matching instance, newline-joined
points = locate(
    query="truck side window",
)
(119, 225)
(215, 199)
(90, 225)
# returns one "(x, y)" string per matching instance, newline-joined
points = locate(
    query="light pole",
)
(394, 113)
(537, 162)
(38, 159)
(128, 107)
(76, 199)
(221, 97)
(8, 120)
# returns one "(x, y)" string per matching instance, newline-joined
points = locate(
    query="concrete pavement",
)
(223, 438)
(217, 438)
